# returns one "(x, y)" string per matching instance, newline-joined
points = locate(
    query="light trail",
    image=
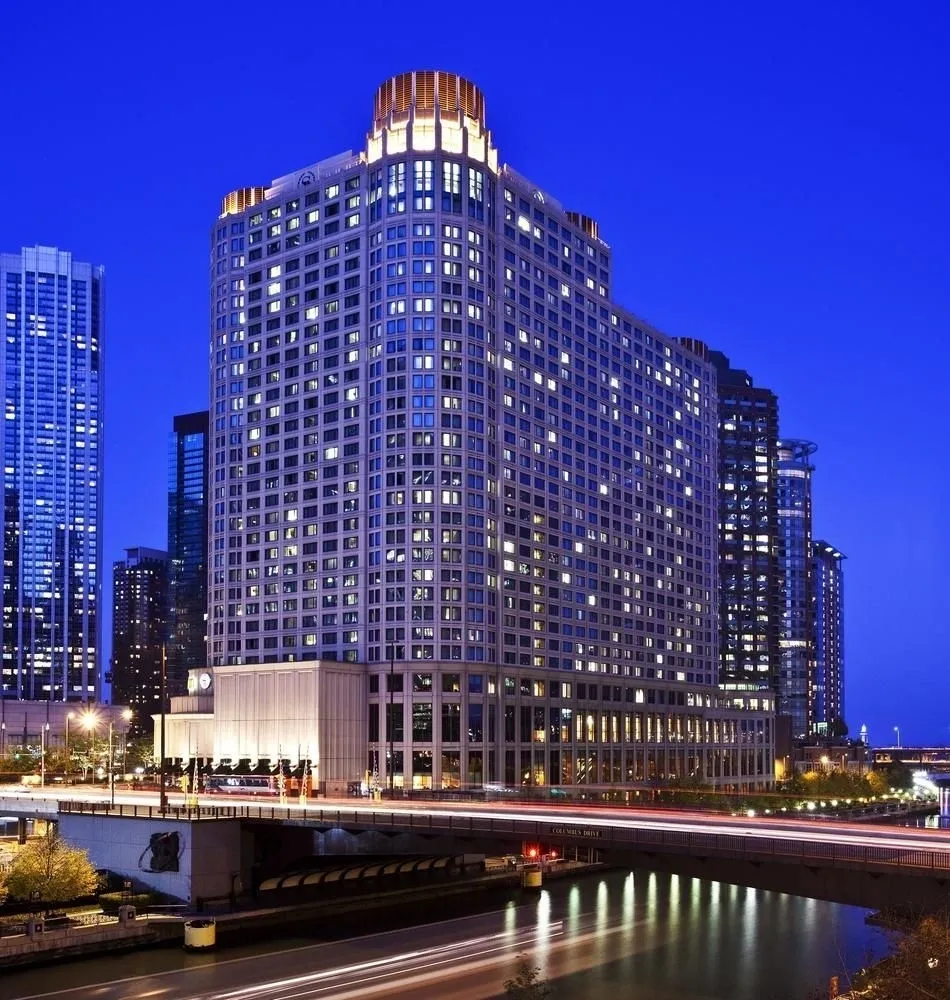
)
(597, 816)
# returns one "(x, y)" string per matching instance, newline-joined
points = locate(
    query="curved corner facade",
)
(441, 449)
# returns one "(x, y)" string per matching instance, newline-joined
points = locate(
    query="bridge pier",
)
(21, 830)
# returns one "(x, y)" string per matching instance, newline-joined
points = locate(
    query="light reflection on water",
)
(669, 937)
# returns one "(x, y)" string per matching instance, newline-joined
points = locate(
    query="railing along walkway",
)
(792, 849)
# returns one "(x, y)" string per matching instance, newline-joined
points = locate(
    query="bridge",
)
(871, 866)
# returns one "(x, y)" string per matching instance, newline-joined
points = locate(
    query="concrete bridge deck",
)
(794, 842)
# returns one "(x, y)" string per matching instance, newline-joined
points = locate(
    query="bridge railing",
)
(752, 846)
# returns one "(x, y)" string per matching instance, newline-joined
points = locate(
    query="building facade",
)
(51, 370)
(139, 621)
(750, 612)
(797, 643)
(827, 711)
(187, 548)
(439, 445)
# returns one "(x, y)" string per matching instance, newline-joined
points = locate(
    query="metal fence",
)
(571, 830)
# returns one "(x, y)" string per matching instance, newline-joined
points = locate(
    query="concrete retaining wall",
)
(62, 942)
(209, 857)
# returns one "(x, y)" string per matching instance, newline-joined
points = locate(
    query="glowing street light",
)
(69, 715)
(126, 716)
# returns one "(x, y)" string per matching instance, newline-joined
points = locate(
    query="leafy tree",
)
(49, 866)
(878, 783)
(919, 968)
(899, 775)
(527, 983)
(838, 728)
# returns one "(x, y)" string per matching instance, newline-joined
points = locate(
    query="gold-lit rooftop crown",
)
(423, 93)
(429, 109)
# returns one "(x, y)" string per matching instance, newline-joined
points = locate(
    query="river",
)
(615, 934)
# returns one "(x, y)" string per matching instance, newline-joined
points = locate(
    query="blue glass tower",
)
(827, 713)
(51, 436)
(187, 547)
(797, 643)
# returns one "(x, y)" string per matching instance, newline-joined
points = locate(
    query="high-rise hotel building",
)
(442, 454)
(51, 371)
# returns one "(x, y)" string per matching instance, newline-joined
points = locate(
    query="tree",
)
(899, 775)
(838, 728)
(527, 983)
(919, 967)
(51, 867)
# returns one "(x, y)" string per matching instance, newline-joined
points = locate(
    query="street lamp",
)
(126, 716)
(389, 721)
(89, 720)
(69, 715)
(897, 729)
(44, 729)
(162, 794)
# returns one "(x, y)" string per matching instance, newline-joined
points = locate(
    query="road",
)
(792, 829)
(466, 959)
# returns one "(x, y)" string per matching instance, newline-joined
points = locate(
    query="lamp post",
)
(126, 716)
(897, 729)
(111, 765)
(69, 715)
(162, 794)
(43, 731)
(389, 721)
(89, 721)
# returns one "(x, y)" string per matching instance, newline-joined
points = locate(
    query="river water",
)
(602, 936)
(694, 938)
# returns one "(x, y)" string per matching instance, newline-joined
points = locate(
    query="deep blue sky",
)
(773, 179)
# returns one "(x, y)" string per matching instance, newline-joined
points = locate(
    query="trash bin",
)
(200, 935)
(531, 878)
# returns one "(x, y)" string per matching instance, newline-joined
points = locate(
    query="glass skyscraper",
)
(441, 449)
(828, 689)
(187, 547)
(797, 644)
(750, 613)
(139, 611)
(51, 370)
